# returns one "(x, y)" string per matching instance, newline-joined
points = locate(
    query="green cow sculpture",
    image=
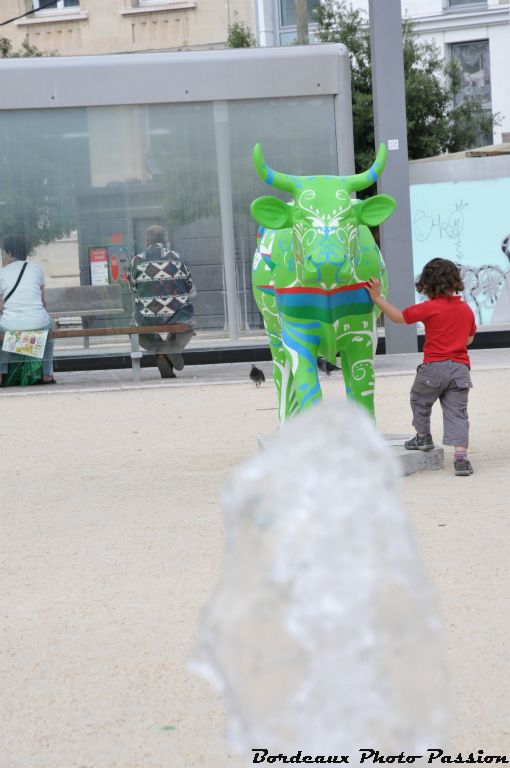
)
(309, 274)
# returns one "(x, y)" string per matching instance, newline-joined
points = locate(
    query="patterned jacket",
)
(162, 287)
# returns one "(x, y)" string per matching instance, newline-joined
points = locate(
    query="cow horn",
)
(276, 179)
(364, 180)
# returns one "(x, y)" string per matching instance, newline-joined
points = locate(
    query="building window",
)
(474, 62)
(145, 3)
(453, 4)
(288, 11)
(288, 21)
(57, 5)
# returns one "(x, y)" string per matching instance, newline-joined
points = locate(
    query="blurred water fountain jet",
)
(323, 634)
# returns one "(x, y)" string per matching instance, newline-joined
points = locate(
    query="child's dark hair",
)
(439, 277)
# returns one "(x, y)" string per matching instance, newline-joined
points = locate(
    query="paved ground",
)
(72, 382)
(112, 541)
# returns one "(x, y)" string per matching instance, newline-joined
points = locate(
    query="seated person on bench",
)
(24, 309)
(162, 288)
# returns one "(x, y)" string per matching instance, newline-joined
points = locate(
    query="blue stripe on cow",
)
(301, 326)
(359, 296)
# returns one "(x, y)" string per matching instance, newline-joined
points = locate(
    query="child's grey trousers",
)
(450, 383)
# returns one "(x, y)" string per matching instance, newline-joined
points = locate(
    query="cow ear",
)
(375, 210)
(271, 212)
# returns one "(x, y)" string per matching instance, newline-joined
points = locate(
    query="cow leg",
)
(357, 353)
(301, 343)
(283, 379)
(282, 373)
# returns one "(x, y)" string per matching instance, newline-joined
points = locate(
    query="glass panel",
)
(181, 158)
(83, 186)
(289, 36)
(297, 136)
(476, 72)
(457, 3)
(46, 5)
(474, 62)
(288, 11)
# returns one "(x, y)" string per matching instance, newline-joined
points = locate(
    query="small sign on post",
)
(392, 144)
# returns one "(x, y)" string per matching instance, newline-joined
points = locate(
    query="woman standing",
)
(24, 309)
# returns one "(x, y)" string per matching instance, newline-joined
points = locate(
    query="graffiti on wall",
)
(469, 223)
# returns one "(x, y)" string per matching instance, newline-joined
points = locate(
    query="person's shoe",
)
(419, 443)
(462, 467)
(166, 368)
(176, 360)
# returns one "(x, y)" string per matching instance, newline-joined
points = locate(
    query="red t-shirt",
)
(448, 322)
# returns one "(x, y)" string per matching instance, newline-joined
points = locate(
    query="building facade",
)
(474, 32)
(89, 27)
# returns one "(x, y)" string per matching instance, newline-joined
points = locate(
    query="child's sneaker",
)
(419, 443)
(462, 467)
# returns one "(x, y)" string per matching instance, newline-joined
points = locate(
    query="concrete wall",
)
(440, 170)
(124, 26)
(459, 211)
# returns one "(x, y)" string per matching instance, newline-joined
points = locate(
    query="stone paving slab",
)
(414, 461)
(229, 373)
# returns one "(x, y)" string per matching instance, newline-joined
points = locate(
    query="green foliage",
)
(36, 179)
(36, 198)
(434, 124)
(27, 50)
(240, 36)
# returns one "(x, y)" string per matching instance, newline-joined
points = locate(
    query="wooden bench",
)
(101, 301)
(133, 331)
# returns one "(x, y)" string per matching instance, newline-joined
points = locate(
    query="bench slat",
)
(126, 330)
(85, 312)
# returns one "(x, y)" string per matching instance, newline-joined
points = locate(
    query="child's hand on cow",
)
(374, 288)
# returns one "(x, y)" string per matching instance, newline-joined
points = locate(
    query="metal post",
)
(343, 119)
(391, 128)
(136, 356)
(222, 139)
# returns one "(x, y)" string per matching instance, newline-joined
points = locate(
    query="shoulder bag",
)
(17, 282)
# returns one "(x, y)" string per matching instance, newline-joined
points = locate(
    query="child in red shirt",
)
(444, 374)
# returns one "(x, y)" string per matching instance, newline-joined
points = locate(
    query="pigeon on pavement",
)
(257, 375)
(325, 366)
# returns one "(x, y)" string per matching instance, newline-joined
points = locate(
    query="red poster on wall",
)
(98, 259)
